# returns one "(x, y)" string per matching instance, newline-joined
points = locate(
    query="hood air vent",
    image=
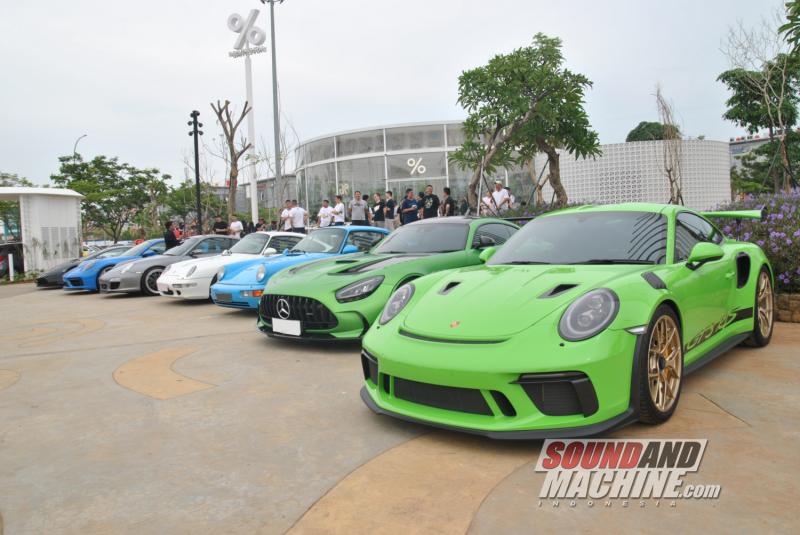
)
(449, 286)
(558, 290)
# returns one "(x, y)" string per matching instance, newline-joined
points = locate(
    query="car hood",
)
(60, 269)
(142, 264)
(246, 272)
(207, 267)
(495, 302)
(103, 262)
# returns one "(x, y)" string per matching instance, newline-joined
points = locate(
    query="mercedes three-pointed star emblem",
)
(283, 309)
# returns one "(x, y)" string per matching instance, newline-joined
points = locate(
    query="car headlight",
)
(220, 273)
(126, 267)
(89, 265)
(358, 290)
(588, 315)
(261, 273)
(396, 303)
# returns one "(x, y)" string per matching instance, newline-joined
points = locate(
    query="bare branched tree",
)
(672, 148)
(225, 117)
(761, 60)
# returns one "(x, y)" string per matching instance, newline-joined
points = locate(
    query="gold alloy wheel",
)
(764, 304)
(664, 363)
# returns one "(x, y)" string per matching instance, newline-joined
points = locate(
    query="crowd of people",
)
(382, 210)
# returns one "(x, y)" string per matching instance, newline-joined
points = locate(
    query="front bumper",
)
(80, 282)
(50, 281)
(510, 389)
(231, 295)
(352, 319)
(193, 288)
(125, 283)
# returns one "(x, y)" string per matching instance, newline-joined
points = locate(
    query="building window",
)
(414, 137)
(359, 143)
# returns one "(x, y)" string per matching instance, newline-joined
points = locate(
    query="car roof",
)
(656, 208)
(362, 227)
(459, 220)
(279, 233)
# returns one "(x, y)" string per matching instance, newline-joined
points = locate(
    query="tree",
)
(763, 79)
(180, 201)
(672, 148)
(521, 103)
(651, 131)
(791, 28)
(229, 129)
(756, 173)
(9, 210)
(114, 193)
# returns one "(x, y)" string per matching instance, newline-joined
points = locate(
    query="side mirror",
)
(704, 252)
(270, 251)
(348, 249)
(487, 253)
(485, 241)
(226, 252)
(148, 253)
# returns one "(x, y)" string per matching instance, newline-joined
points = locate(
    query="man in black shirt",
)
(389, 209)
(377, 209)
(220, 227)
(430, 203)
(170, 240)
(448, 204)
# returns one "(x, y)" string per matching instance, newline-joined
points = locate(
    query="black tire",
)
(212, 283)
(757, 337)
(149, 286)
(649, 412)
(102, 272)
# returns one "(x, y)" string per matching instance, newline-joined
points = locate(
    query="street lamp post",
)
(75, 146)
(196, 133)
(275, 111)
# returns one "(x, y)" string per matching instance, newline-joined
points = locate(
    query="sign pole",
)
(251, 133)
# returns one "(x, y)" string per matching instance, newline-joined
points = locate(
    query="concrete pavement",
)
(123, 414)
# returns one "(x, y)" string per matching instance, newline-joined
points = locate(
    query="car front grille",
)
(443, 397)
(561, 393)
(75, 281)
(312, 313)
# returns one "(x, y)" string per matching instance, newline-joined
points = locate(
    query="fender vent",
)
(742, 269)
(654, 280)
(449, 286)
(558, 290)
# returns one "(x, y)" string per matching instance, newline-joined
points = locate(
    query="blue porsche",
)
(241, 285)
(88, 272)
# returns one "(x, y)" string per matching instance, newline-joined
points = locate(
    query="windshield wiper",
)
(527, 263)
(613, 261)
(394, 252)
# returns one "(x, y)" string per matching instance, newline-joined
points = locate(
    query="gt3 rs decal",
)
(714, 328)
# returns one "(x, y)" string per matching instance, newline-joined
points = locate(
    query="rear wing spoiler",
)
(739, 214)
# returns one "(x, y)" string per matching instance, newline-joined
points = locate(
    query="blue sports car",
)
(88, 272)
(241, 285)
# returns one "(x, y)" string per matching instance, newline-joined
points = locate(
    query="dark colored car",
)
(55, 277)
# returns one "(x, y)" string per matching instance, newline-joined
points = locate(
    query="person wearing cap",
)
(325, 215)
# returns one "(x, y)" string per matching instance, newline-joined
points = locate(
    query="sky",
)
(127, 74)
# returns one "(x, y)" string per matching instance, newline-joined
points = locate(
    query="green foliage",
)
(651, 131)
(761, 167)
(791, 29)
(115, 194)
(181, 202)
(519, 103)
(9, 210)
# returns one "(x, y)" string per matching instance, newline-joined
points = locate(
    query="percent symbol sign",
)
(247, 30)
(416, 166)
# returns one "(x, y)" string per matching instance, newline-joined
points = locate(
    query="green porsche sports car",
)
(586, 320)
(339, 298)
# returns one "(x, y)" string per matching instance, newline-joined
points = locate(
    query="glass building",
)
(393, 157)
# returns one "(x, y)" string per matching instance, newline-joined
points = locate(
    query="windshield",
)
(183, 248)
(425, 238)
(138, 250)
(107, 253)
(588, 238)
(251, 244)
(327, 240)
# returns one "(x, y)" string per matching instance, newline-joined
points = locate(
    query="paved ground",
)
(143, 415)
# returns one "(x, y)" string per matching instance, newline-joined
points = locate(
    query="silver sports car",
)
(140, 275)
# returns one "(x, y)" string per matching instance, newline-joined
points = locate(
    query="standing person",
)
(176, 229)
(298, 216)
(220, 227)
(365, 198)
(512, 201)
(409, 209)
(261, 225)
(236, 227)
(464, 206)
(500, 197)
(170, 240)
(325, 214)
(358, 210)
(448, 204)
(390, 211)
(338, 212)
(378, 211)
(286, 217)
(430, 203)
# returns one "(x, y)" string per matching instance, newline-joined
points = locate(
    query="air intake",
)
(449, 286)
(558, 290)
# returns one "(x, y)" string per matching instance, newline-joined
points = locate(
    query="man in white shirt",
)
(338, 212)
(500, 199)
(236, 227)
(325, 214)
(286, 217)
(298, 217)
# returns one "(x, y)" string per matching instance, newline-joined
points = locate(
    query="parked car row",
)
(583, 321)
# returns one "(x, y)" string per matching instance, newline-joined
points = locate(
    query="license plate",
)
(291, 327)
(224, 297)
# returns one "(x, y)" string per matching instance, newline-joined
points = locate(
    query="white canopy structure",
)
(50, 224)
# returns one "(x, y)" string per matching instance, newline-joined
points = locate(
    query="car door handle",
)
(730, 274)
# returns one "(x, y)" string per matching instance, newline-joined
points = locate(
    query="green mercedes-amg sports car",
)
(341, 297)
(587, 319)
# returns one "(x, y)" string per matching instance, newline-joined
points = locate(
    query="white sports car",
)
(192, 279)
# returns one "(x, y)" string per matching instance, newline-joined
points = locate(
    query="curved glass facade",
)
(394, 157)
